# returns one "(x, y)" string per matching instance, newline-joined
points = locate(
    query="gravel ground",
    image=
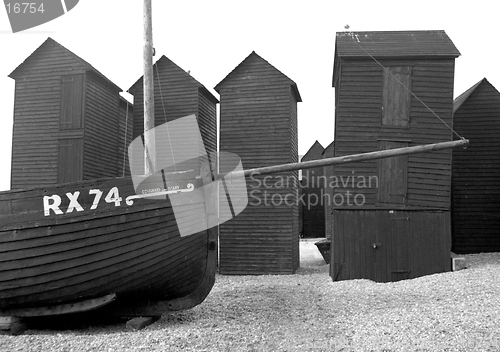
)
(455, 311)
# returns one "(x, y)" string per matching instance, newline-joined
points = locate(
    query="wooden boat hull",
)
(83, 249)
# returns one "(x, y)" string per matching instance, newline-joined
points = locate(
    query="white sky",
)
(210, 38)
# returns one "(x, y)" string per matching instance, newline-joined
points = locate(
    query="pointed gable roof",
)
(329, 150)
(164, 63)
(253, 57)
(457, 103)
(314, 153)
(50, 45)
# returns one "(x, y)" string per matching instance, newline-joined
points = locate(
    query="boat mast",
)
(149, 142)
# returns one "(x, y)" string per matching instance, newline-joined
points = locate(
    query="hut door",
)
(398, 245)
(71, 102)
(392, 173)
(396, 97)
(70, 160)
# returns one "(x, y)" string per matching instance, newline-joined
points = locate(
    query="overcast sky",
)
(210, 38)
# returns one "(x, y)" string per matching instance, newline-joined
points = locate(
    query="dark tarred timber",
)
(377, 78)
(69, 120)
(134, 251)
(390, 245)
(476, 171)
(258, 122)
(177, 94)
(312, 188)
(329, 152)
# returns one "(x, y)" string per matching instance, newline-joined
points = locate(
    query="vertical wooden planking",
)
(392, 176)
(336, 245)
(72, 102)
(70, 153)
(403, 248)
(395, 100)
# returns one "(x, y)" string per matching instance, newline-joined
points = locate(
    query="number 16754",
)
(24, 7)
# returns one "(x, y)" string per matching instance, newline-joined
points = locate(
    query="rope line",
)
(356, 39)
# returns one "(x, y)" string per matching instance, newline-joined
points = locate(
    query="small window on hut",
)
(396, 96)
(392, 173)
(71, 102)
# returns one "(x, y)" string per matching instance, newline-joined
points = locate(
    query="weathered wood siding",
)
(312, 184)
(207, 120)
(294, 184)
(390, 245)
(476, 171)
(101, 129)
(126, 127)
(177, 94)
(65, 120)
(258, 122)
(359, 129)
(389, 87)
(37, 111)
(328, 171)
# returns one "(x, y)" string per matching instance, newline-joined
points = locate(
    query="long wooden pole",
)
(348, 159)
(148, 84)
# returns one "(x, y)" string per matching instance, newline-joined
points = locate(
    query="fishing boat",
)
(79, 246)
(134, 244)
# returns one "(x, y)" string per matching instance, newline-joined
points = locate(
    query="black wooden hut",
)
(476, 171)
(391, 217)
(328, 172)
(258, 122)
(177, 94)
(312, 188)
(67, 120)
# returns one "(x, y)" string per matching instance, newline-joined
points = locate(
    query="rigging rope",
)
(354, 37)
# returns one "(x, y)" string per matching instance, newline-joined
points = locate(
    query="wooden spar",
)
(149, 124)
(348, 158)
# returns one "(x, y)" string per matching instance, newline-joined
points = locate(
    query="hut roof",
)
(457, 103)
(393, 44)
(50, 44)
(164, 62)
(254, 56)
(314, 152)
(330, 146)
